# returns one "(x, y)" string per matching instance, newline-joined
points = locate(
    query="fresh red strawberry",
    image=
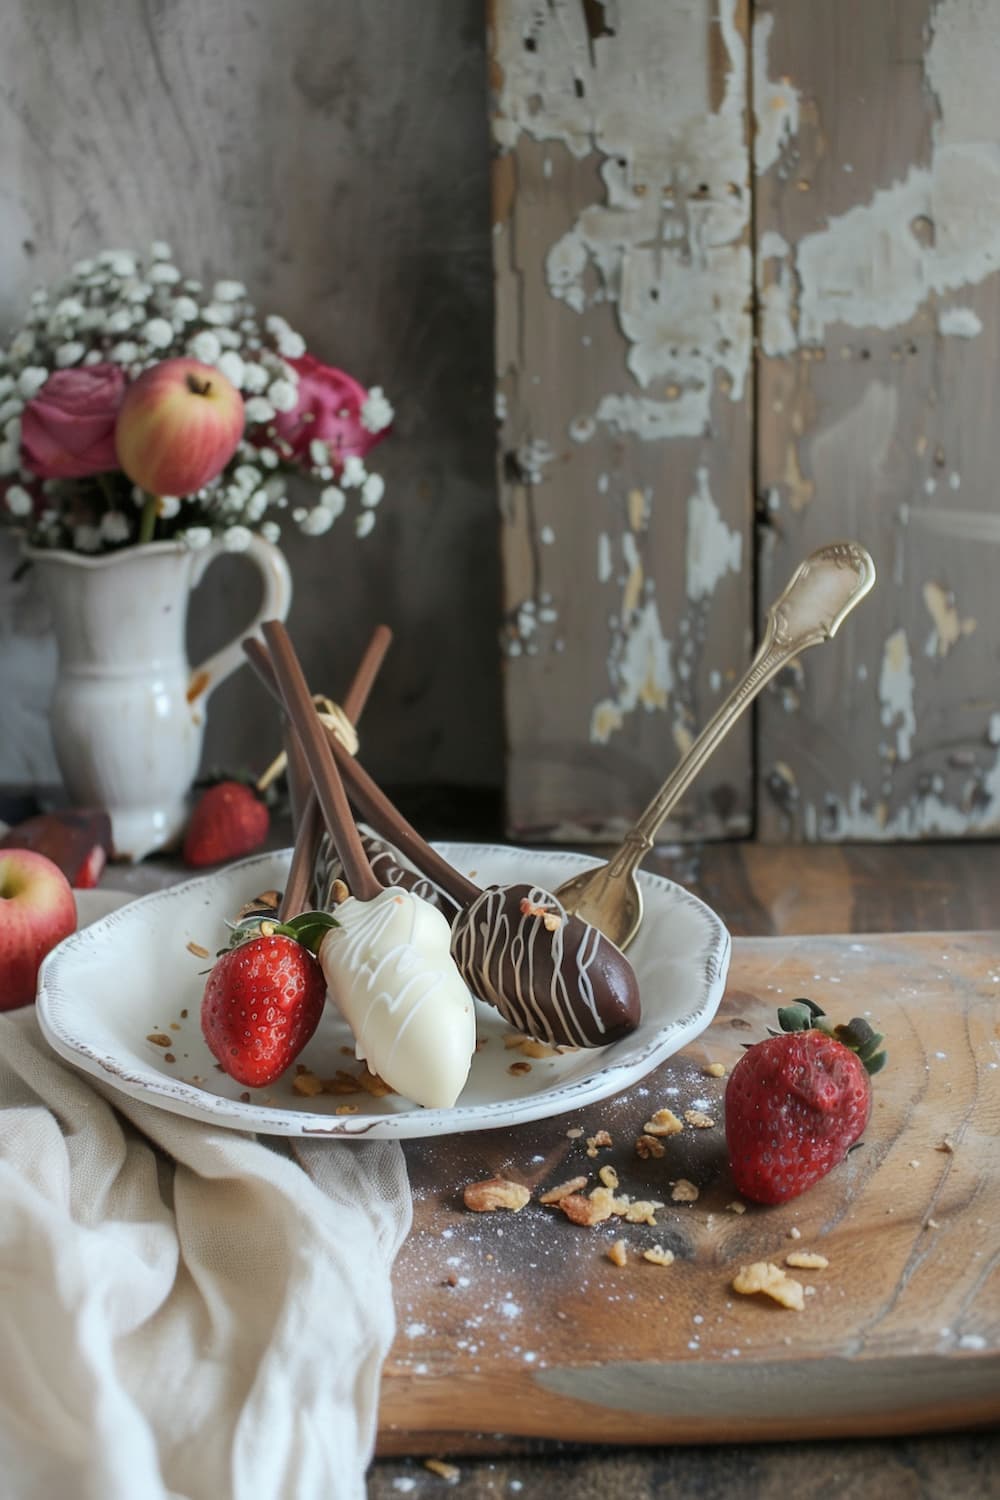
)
(228, 821)
(796, 1103)
(262, 1003)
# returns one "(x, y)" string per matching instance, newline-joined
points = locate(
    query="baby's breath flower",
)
(70, 354)
(376, 410)
(259, 410)
(22, 344)
(12, 431)
(268, 458)
(93, 357)
(159, 333)
(256, 505)
(228, 291)
(119, 321)
(282, 395)
(319, 453)
(87, 538)
(121, 262)
(372, 490)
(237, 539)
(247, 476)
(232, 366)
(184, 309)
(255, 379)
(18, 501)
(125, 353)
(80, 268)
(115, 527)
(205, 346)
(318, 520)
(217, 312)
(30, 380)
(6, 386)
(68, 309)
(10, 408)
(163, 274)
(270, 531)
(160, 250)
(167, 506)
(10, 458)
(229, 338)
(139, 291)
(275, 487)
(354, 472)
(364, 522)
(332, 499)
(197, 537)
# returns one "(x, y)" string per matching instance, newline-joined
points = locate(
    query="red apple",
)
(37, 910)
(178, 426)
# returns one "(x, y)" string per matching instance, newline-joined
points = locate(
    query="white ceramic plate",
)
(129, 974)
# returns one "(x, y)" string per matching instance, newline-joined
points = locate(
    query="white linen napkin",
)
(185, 1311)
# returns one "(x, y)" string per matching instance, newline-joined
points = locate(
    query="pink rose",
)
(68, 429)
(329, 408)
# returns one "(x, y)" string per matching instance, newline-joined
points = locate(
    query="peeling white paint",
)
(776, 293)
(895, 691)
(924, 816)
(776, 105)
(641, 670)
(959, 322)
(712, 548)
(532, 459)
(948, 627)
(603, 557)
(666, 246)
(851, 457)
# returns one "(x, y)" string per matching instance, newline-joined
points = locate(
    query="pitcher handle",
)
(275, 604)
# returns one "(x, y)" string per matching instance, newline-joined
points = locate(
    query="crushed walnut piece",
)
(307, 1084)
(642, 1211)
(617, 1254)
(169, 1057)
(764, 1276)
(338, 893)
(441, 1469)
(563, 1190)
(595, 1142)
(736, 1207)
(374, 1085)
(683, 1191)
(698, 1119)
(657, 1256)
(715, 1070)
(518, 1069)
(599, 1206)
(946, 1144)
(531, 1048)
(806, 1260)
(795, 1233)
(551, 920)
(496, 1192)
(158, 1039)
(664, 1122)
(609, 1177)
(648, 1145)
(346, 1109)
(342, 1083)
(197, 950)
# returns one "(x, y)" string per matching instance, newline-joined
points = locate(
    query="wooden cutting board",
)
(517, 1326)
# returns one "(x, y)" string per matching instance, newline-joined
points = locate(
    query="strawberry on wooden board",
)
(264, 997)
(228, 821)
(797, 1103)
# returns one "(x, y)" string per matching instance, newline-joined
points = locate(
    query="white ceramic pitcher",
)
(128, 712)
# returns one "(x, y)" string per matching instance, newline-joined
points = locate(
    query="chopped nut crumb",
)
(244, 1098)
(657, 1256)
(609, 1177)
(342, 1083)
(338, 892)
(374, 1085)
(347, 1051)
(519, 1068)
(946, 1144)
(913, 1164)
(174, 1026)
(552, 921)
(931, 1224)
(617, 1255)
(684, 1191)
(158, 1039)
(197, 1078)
(169, 1057)
(794, 1233)
(197, 950)
(307, 1084)
(514, 1039)
(574, 1133)
(530, 1048)
(765, 1276)
(806, 1260)
(496, 1192)
(346, 1109)
(699, 1119)
(647, 1146)
(642, 1211)
(439, 1467)
(550, 918)
(594, 1142)
(715, 1070)
(563, 1190)
(664, 1122)
(588, 1211)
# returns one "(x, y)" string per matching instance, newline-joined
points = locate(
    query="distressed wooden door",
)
(747, 303)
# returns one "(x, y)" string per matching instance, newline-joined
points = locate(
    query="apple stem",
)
(147, 521)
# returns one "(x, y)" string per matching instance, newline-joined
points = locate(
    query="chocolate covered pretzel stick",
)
(549, 973)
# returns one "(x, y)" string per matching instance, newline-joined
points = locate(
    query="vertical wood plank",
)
(623, 273)
(336, 159)
(877, 241)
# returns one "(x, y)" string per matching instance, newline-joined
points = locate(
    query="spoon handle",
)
(817, 599)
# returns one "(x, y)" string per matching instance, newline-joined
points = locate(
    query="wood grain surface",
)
(542, 1336)
(877, 233)
(621, 215)
(335, 158)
